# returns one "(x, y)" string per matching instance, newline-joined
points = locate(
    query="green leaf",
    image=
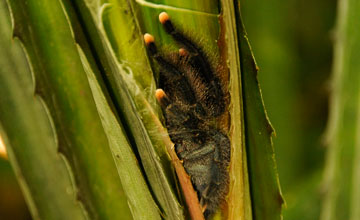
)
(265, 189)
(28, 136)
(342, 173)
(140, 200)
(63, 85)
(128, 99)
(109, 37)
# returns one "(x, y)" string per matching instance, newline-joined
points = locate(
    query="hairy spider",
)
(191, 97)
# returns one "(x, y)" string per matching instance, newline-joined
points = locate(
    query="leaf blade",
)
(141, 203)
(115, 74)
(28, 137)
(60, 79)
(266, 194)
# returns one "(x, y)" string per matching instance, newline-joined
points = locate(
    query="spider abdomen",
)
(206, 163)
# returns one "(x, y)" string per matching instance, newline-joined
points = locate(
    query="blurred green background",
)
(292, 44)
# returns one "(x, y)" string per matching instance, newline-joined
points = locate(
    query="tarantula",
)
(192, 98)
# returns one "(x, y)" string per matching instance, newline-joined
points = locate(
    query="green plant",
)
(93, 77)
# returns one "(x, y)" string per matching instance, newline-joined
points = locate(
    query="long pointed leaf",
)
(115, 73)
(60, 80)
(28, 136)
(141, 204)
(266, 195)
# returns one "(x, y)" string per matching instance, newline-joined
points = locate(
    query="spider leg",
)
(162, 98)
(180, 118)
(172, 80)
(198, 59)
(212, 99)
(150, 44)
(178, 37)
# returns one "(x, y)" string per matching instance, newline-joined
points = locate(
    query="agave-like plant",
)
(94, 128)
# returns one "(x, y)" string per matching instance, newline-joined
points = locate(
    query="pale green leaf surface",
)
(61, 81)
(210, 6)
(114, 73)
(28, 136)
(135, 188)
(137, 74)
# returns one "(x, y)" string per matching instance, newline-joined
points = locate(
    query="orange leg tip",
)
(182, 52)
(148, 38)
(163, 17)
(159, 94)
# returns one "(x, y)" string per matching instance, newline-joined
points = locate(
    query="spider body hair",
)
(191, 97)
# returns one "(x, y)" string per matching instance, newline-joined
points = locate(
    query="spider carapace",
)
(192, 98)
